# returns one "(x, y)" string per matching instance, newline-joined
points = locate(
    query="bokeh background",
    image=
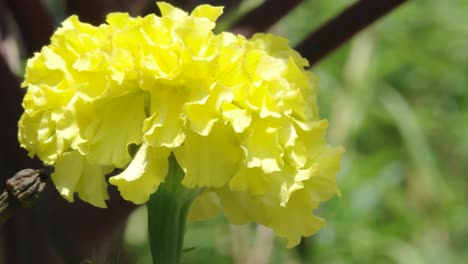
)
(396, 98)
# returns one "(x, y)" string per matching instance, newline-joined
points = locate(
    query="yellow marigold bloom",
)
(238, 114)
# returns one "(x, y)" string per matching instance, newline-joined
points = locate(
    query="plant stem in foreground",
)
(167, 213)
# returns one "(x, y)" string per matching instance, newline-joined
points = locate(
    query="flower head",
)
(238, 114)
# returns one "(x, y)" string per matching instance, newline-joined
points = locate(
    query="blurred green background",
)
(396, 99)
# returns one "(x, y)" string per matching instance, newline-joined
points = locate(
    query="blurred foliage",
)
(396, 99)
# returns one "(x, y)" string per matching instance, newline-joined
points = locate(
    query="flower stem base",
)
(167, 213)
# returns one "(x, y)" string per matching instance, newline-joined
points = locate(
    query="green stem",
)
(167, 213)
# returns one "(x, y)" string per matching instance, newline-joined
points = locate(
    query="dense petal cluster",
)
(238, 114)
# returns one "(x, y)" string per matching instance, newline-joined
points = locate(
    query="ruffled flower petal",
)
(167, 10)
(238, 117)
(205, 206)
(110, 127)
(218, 155)
(165, 127)
(252, 180)
(261, 147)
(73, 173)
(291, 222)
(322, 183)
(143, 175)
(210, 12)
(295, 220)
(203, 114)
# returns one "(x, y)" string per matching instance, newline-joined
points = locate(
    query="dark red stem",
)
(341, 28)
(264, 16)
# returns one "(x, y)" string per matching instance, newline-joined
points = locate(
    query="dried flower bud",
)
(26, 187)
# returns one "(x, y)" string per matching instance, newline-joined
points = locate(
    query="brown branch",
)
(264, 16)
(337, 31)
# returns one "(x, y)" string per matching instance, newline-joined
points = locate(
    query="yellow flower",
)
(239, 115)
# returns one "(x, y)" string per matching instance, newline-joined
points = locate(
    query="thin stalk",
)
(342, 27)
(167, 214)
